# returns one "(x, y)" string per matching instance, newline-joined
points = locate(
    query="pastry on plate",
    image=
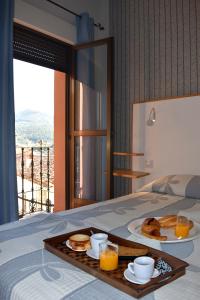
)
(151, 229)
(79, 242)
(170, 221)
(151, 226)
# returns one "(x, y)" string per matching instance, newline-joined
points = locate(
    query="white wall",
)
(172, 144)
(41, 15)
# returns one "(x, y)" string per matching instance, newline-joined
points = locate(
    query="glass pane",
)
(91, 91)
(90, 168)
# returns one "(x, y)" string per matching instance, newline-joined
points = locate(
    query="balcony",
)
(35, 179)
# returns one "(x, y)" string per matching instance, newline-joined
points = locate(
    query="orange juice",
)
(108, 259)
(181, 230)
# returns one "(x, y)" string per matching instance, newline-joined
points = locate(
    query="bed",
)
(28, 271)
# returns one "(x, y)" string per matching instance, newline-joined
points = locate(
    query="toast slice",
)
(130, 251)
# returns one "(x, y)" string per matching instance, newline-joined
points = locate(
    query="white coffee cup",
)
(142, 268)
(96, 239)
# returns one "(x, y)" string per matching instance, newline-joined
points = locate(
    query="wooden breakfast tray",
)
(57, 246)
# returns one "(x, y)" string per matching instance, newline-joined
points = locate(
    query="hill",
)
(32, 127)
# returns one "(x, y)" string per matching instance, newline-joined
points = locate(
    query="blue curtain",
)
(8, 180)
(85, 57)
(85, 28)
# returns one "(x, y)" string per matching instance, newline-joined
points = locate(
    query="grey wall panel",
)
(137, 50)
(193, 45)
(162, 47)
(186, 46)
(118, 74)
(121, 108)
(164, 37)
(168, 45)
(132, 49)
(157, 56)
(151, 49)
(157, 52)
(198, 43)
(174, 48)
(180, 58)
(142, 49)
(146, 53)
(128, 103)
(124, 138)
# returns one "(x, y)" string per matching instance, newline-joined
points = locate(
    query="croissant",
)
(169, 221)
(155, 237)
(151, 229)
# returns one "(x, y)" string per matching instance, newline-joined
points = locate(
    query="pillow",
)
(179, 185)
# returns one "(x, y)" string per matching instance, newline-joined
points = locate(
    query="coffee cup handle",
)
(131, 267)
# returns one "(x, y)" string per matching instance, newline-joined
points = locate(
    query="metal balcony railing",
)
(35, 178)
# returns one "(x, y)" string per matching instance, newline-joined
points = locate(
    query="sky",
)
(33, 88)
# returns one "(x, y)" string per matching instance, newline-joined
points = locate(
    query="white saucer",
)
(131, 277)
(92, 254)
(70, 247)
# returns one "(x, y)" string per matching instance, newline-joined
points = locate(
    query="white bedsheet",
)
(27, 271)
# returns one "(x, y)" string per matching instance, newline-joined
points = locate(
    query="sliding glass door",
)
(90, 124)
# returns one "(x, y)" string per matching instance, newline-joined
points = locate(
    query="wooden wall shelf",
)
(129, 173)
(128, 154)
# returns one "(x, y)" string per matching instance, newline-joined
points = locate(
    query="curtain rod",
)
(98, 25)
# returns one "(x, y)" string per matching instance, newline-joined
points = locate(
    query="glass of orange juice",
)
(108, 256)
(182, 227)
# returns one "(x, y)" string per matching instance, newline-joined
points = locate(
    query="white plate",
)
(92, 254)
(70, 247)
(131, 277)
(135, 228)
